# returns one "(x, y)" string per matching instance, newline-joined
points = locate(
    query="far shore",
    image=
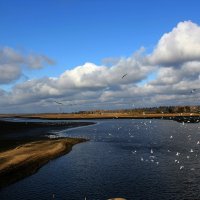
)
(26, 159)
(180, 117)
(110, 115)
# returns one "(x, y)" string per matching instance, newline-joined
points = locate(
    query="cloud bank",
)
(180, 45)
(164, 77)
(12, 63)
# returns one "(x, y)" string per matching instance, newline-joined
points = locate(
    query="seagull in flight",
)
(193, 90)
(124, 75)
(58, 102)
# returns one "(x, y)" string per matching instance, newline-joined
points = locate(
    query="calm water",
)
(133, 159)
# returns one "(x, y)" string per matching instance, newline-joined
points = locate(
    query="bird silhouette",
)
(124, 75)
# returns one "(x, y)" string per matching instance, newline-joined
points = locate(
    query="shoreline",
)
(25, 147)
(179, 117)
(26, 159)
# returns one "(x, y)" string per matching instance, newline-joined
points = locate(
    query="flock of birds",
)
(178, 157)
(181, 155)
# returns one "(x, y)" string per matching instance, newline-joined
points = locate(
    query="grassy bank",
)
(26, 159)
(69, 116)
(179, 117)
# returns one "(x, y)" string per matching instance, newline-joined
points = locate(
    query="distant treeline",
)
(161, 109)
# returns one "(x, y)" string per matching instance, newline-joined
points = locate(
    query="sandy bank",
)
(26, 159)
(69, 116)
(180, 117)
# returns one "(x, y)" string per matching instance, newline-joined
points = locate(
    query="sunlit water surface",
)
(133, 159)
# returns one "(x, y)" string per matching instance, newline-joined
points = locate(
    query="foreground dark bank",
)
(13, 134)
(10, 126)
(25, 147)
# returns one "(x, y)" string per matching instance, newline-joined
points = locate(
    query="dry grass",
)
(108, 115)
(26, 159)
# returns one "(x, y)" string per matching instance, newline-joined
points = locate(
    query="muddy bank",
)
(10, 126)
(26, 159)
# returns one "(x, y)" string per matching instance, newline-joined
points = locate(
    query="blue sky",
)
(75, 32)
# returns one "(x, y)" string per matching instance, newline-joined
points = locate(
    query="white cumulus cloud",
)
(180, 45)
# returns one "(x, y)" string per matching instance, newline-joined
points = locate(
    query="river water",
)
(133, 159)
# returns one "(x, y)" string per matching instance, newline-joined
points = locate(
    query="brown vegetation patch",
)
(26, 159)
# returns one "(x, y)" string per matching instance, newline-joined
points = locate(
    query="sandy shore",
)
(26, 159)
(179, 117)
(69, 116)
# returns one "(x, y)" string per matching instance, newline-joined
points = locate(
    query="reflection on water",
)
(134, 159)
